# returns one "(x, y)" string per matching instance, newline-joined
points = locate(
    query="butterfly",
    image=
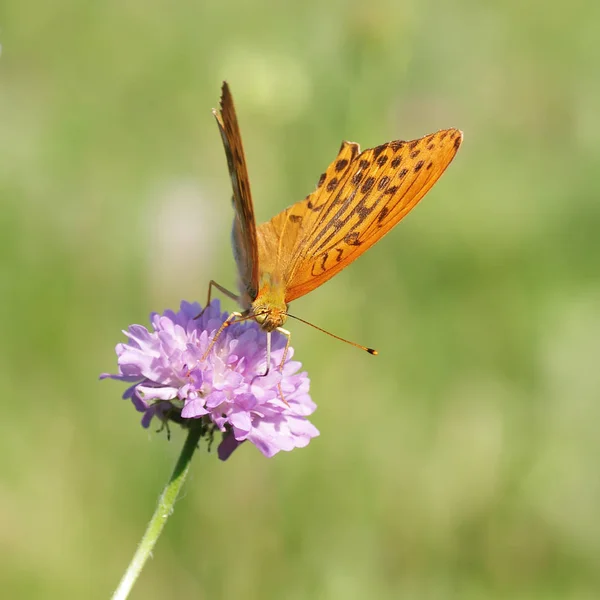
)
(358, 199)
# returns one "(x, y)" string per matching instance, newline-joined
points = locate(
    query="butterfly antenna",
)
(337, 337)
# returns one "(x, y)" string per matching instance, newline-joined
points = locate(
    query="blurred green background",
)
(460, 463)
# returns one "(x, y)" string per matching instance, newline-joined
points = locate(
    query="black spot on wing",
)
(332, 184)
(378, 150)
(352, 239)
(356, 179)
(383, 182)
(382, 214)
(367, 185)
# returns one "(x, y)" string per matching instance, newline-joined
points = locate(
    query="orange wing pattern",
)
(357, 201)
(244, 237)
(283, 236)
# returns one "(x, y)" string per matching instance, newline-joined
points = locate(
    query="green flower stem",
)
(161, 514)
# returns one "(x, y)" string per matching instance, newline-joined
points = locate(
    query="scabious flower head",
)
(171, 382)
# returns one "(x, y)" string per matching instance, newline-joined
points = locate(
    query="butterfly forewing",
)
(281, 238)
(244, 236)
(358, 200)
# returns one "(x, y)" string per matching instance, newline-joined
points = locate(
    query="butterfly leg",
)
(226, 323)
(288, 337)
(223, 290)
(268, 352)
(285, 351)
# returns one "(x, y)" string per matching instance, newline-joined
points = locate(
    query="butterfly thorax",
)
(269, 307)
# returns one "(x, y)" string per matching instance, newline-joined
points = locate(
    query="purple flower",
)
(172, 382)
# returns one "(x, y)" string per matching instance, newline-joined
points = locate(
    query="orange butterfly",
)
(358, 199)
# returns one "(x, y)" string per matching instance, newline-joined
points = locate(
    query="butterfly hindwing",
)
(244, 236)
(357, 203)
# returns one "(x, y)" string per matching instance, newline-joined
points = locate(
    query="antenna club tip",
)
(372, 351)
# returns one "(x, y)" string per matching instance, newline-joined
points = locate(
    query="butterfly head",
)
(269, 307)
(270, 318)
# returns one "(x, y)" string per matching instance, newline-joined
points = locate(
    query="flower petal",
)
(168, 366)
